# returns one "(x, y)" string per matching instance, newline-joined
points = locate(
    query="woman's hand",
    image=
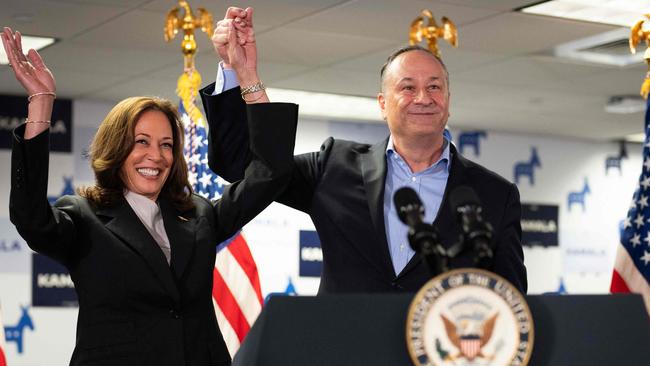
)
(30, 70)
(36, 78)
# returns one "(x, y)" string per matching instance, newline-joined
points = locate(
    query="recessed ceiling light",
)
(615, 12)
(29, 42)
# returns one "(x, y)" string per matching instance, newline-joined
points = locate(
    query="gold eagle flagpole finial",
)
(432, 31)
(638, 34)
(189, 82)
(187, 23)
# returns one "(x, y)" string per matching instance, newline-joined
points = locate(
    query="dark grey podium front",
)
(339, 330)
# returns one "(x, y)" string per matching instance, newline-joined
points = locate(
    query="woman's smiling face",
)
(147, 167)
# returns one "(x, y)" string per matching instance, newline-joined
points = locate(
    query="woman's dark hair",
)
(113, 143)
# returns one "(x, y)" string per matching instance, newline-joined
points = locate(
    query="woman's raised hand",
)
(30, 70)
(37, 80)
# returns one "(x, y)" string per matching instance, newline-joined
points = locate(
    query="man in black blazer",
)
(345, 187)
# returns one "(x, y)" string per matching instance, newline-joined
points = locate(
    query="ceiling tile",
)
(503, 5)
(527, 71)
(137, 29)
(267, 14)
(614, 82)
(99, 59)
(164, 88)
(518, 33)
(313, 48)
(388, 20)
(116, 3)
(54, 19)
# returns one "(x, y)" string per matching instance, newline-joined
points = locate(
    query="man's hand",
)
(234, 39)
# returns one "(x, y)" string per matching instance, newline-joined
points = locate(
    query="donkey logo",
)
(615, 161)
(471, 139)
(527, 168)
(15, 333)
(579, 197)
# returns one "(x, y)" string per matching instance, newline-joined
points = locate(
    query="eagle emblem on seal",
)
(469, 337)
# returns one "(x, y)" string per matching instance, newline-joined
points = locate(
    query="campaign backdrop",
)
(13, 111)
(539, 225)
(574, 195)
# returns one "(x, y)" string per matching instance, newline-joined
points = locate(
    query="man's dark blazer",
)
(134, 308)
(342, 188)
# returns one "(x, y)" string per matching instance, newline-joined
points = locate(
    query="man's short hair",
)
(402, 50)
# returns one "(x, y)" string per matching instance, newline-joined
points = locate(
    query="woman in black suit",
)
(139, 246)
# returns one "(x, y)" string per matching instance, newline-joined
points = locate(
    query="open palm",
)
(30, 70)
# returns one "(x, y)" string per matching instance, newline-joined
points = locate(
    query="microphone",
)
(409, 207)
(466, 206)
(423, 237)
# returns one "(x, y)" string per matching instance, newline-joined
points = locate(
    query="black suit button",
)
(174, 314)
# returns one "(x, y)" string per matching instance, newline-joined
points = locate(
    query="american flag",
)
(3, 358)
(632, 266)
(236, 291)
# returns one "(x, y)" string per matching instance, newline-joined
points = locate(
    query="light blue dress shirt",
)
(226, 80)
(430, 186)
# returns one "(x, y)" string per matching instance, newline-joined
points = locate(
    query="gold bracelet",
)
(29, 121)
(258, 86)
(29, 98)
(254, 100)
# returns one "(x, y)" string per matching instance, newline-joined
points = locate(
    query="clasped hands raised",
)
(234, 42)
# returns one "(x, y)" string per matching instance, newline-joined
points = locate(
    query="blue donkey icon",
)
(471, 139)
(15, 333)
(527, 168)
(579, 197)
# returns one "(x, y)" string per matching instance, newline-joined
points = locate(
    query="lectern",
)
(369, 329)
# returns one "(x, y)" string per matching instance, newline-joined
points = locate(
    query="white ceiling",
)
(502, 76)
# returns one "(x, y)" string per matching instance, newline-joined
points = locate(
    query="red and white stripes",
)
(627, 278)
(236, 292)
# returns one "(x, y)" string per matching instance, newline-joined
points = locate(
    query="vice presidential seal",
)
(469, 317)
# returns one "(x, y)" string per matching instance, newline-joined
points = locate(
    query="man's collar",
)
(444, 156)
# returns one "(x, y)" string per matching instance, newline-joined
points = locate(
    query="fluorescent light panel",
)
(330, 106)
(29, 42)
(616, 12)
